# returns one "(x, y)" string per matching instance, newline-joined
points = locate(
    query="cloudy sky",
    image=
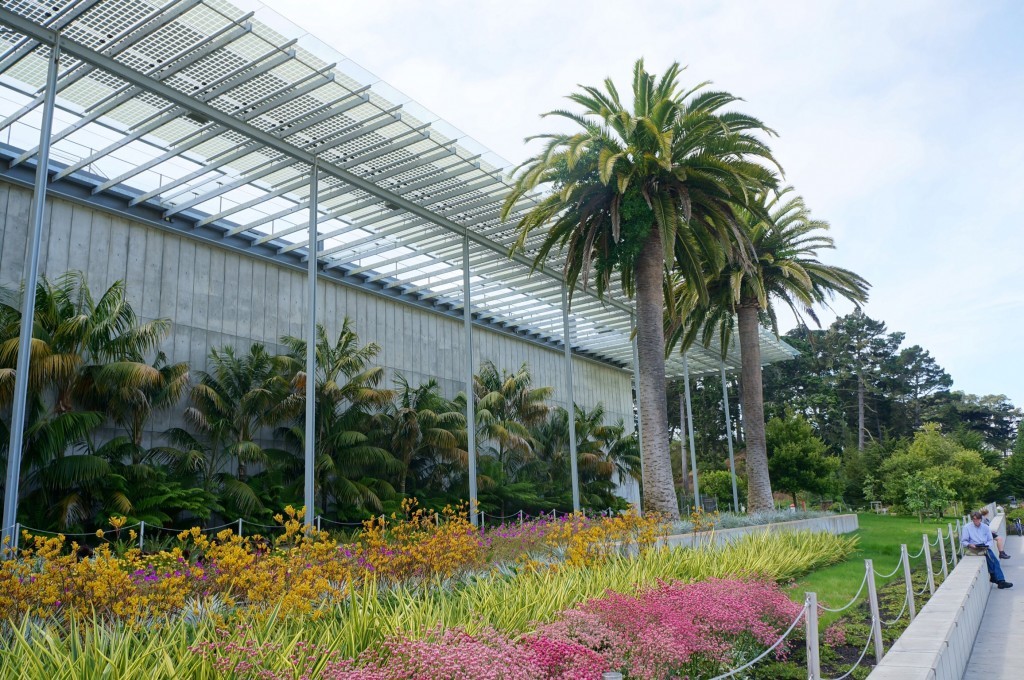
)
(899, 122)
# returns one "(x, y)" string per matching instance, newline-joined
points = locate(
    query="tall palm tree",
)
(743, 291)
(351, 469)
(635, 191)
(507, 406)
(234, 403)
(422, 426)
(83, 350)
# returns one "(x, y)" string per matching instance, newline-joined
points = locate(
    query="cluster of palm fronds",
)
(103, 397)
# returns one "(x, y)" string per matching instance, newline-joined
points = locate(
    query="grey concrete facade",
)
(218, 296)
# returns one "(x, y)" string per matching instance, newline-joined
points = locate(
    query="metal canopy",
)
(216, 112)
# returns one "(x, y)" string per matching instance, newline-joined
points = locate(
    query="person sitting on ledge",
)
(977, 538)
(997, 537)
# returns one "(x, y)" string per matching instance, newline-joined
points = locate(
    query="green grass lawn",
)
(879, 539)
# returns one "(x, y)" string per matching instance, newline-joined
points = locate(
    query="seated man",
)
(977, 538)
(999, 541)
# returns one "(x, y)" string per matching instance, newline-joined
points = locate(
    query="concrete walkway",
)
(998, 650)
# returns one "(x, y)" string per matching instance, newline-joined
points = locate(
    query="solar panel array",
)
(214, 111)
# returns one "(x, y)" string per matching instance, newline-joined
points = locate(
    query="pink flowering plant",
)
(673, 630)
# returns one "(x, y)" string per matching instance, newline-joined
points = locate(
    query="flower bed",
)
(672, 630)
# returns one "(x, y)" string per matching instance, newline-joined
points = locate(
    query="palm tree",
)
(742, 291)
(422, 426)
(350, 468)
(507, 406)
(234, 404)
(84, 351)
(633, 191)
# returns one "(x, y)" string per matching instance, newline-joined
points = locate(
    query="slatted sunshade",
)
(215, 111)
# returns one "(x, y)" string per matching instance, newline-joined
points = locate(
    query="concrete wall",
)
(218, 296)
(937, 644)
(832, 524)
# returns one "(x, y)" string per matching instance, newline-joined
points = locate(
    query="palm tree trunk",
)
(759, 486)
(659, 490)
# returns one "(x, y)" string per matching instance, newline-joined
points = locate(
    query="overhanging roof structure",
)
(215, 112)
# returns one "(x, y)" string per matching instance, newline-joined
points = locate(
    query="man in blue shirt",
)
(977, 538)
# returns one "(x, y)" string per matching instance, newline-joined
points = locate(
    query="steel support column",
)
(570, 403)
(636, 404)
(689, 424)
(310, 435)
(28, 305)
(467, 320)
(728, 434)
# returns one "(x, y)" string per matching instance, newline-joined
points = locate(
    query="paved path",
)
(998, 651)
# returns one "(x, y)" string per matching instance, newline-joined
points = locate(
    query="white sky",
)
(899, 122)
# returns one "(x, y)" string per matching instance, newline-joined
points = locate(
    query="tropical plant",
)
(507, 406)
(636, 189)
(422, 429)
(234, 405)
(350, 469)
(88, 363)
(741, 291)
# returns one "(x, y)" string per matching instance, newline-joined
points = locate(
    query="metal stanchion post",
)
(239, 526)
(928, 564)
(905, 556)
(876, 620)
(952, 544)
(318, 522)
(520, 516)
(142, 533)
(942, 554)
(813, 657)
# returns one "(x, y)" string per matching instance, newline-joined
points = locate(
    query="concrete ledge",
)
(937, 644)
(832, 524)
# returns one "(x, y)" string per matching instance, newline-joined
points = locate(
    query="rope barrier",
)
(64, 533)
(765, 653)
(921, 592)
(918, 554)
(851, 602)
(863, 653)
(341, 524)
(898, 616)
(893, 572)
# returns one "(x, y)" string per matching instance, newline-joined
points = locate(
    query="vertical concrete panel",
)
(277, 319)
(186, 283)
(135, 265)
(152, 271)
(16, 227)
(99, 253)
(168, 293)
(117, 253)
(201, 288)
(81, 232)
(264, 303)
(298, 312)
(215, 291)
(230, 294)
(244, 291)
(60, 238)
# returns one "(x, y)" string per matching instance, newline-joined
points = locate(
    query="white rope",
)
(891, 573)
(917, 554)
(765, 653)
(924, 588)
(862, 655)
(851, 602)
(898, 616)
(63, 533)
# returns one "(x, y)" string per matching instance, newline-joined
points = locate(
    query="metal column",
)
(639, 414)
(28, 304)
(467, 320)
(689, 426)
(573, 463)
(728, 434)
(310, 436)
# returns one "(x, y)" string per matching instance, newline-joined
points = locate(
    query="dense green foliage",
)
(93, 446)
(902, 389)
